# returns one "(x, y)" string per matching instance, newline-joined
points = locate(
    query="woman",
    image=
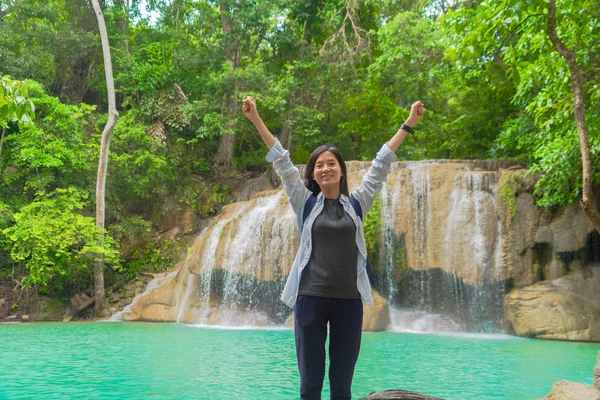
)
(328, 278)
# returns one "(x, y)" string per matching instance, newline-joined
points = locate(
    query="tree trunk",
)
(113, 115)
(224, 156)
(286, 133)
(287, 130)
(588, 201)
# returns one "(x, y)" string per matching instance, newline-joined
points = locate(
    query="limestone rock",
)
(565, 390)
(114, 298)
(377, 317)
(567, 308)
(289, 322)
(155, 306)
(3, 309)
(171, 234)
(267, 181)
(543, 235)
(569, 229)
(518, 239)
(399, 395)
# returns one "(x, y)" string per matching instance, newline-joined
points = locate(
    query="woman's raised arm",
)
(417, 109)
(249, 108)
(280, 158)
(377, 174)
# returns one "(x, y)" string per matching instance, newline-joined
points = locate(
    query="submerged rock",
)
(394, 394)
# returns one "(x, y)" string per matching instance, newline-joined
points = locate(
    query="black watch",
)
(407, 128)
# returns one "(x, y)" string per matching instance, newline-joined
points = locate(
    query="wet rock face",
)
(123, 296)
(472, 223)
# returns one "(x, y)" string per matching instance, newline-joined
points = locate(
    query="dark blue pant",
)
(311, 315)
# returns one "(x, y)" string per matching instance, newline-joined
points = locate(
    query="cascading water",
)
(463, 288)
(471, 201)
(228, 279)
(387, 261)
(415, 205)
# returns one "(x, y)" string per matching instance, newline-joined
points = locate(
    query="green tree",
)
(552, 57)
(54, 43)
(113, 116)
(55, 242)
(53, 152)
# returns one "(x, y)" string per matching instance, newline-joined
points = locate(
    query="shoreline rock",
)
(566, 390)
(567, 308)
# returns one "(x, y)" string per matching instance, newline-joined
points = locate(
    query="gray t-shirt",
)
(331, 270)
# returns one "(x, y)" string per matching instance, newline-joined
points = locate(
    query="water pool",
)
(143, 360)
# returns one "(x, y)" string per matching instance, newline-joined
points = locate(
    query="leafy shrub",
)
(55, 242)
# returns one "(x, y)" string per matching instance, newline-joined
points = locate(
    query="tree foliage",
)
(55, 242)
(326, 71)
(513, 34)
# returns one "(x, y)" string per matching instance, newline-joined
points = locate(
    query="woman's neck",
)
(331, 192)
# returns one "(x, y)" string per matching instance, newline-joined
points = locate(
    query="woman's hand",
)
(417, 109)
(249, 108)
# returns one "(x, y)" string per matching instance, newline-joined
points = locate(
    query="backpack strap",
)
(358, 211)
(308, 206)
(356, 206)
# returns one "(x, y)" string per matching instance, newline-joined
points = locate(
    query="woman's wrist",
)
(256, 120)
(411, 122)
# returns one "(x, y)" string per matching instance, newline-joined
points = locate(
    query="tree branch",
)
(360, 41)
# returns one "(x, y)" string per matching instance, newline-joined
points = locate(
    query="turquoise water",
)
(140, 360)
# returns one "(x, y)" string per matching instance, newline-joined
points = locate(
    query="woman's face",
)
(328, 171)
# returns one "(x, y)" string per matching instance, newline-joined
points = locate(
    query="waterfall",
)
(238, 251)
(390, 199)
(439, 264)
(467, 232)
(442, 271)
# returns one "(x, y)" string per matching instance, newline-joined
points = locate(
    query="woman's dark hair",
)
(309, 180)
